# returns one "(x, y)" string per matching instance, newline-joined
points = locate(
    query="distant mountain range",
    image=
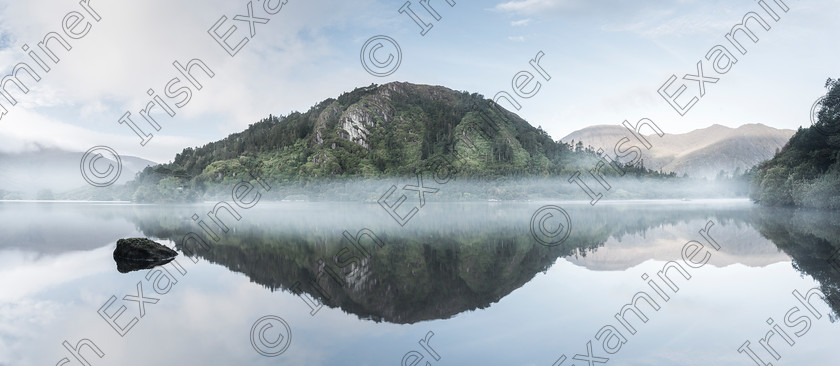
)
(381, 131)
(744, 245)
(700, 153)
(23, 175)
(399, 129)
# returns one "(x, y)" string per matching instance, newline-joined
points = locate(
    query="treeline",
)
(393, 130)
(806, 172)
(435, 263)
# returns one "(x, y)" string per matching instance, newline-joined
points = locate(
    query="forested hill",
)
(806, 172)
(396, 129)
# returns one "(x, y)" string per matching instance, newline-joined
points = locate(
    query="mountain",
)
(55, 171)
(396, 129)
(700, 153)
(807, 170)
(744, 245)
(456, 259)
(390, 129)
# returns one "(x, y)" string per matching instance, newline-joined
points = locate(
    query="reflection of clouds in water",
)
(206, 317)
(713, 312)
(32, 300)
(26, 273)
(21, 322)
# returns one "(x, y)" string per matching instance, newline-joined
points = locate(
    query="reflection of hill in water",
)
(450, 259)
(811, 238)
(419, 274)
(740, 243)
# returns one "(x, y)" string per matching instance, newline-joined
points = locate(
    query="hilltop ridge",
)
(700, 153)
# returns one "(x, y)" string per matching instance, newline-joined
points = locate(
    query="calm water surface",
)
(470, 273)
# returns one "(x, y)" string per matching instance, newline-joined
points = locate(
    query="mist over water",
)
(440, 188)
(435, 183)
(460, 269)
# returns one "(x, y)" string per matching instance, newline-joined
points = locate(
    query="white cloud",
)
(521, 23)
(132, 50)
(535, 6)
(306, 54)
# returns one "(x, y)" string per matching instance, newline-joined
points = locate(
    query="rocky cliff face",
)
(396, 129)
(354, 122)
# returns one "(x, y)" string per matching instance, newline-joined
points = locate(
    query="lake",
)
(484, 283)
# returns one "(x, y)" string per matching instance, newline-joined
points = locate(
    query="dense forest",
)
(375, 132)
(431, 270)
(806, 172)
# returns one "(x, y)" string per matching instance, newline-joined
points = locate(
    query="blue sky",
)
(606, 60)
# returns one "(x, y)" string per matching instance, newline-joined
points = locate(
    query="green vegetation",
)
(460, 257)
(392, 130)
(812, 239)
(806, 172)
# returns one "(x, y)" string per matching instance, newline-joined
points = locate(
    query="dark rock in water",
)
(142, 249)
(126, 265)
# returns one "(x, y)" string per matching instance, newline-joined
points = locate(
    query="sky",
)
(606, 61)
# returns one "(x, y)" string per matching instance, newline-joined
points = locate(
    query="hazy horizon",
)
(82, 98)
(425, 182)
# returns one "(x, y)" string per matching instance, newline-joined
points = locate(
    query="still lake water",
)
(471, 273)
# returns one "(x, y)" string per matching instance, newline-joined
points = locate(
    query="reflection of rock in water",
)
(136, 254)
(461, 258)
(125, 266)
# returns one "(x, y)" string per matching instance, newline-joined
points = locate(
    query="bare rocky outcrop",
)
(142, 249)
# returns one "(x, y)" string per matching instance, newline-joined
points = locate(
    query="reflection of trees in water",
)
(811, 238)
(432, 272)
